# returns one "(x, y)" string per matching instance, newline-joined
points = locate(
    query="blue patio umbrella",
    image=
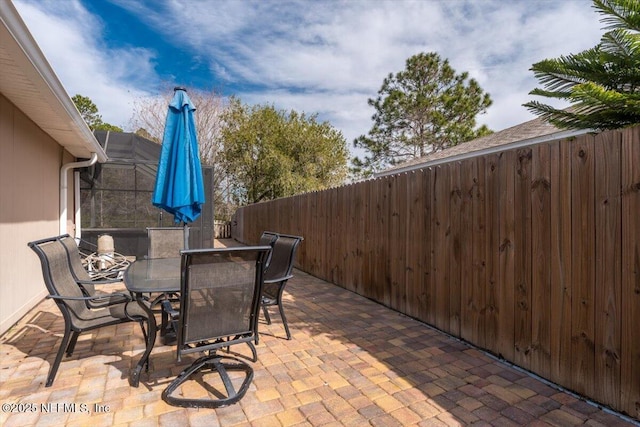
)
(179, 187)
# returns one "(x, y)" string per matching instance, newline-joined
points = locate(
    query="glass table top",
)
(153, 275)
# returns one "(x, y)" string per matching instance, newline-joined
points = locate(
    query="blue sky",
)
(318, 57)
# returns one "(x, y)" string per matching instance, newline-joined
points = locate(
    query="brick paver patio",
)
(351, 362)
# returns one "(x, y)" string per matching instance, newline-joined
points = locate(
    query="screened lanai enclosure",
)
(116, 196)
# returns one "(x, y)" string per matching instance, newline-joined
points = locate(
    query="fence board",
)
(383, 258)
(479, 252)
(369, 247)
(468, 309)
(454, 257)
(364, 191)
(630, 355)
(425, 256)
(311, 240)
(379, 235)
(334, 223)
(343, 261)
(561, 283)
(440, 249)
(327, 224)
(328, 220)
(403, 206)
(394, 244)
(608, 268)
(350, 230)
(282, 215)
(522, 249)
(492, 261)
(583, 262)
(413, 244)
(318, 233)
(361, 205)
(505, 283)
(305, 248)
(540, 267)
(356, 200)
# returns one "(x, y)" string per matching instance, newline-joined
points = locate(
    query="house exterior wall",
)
(30, 162)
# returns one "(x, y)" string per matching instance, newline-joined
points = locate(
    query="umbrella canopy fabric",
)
(179, 187)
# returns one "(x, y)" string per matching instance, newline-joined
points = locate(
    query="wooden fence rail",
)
(531, 253)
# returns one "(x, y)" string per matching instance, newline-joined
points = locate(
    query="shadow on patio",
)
(350, 362)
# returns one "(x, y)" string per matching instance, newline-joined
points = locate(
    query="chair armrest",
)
(279, 279)
(168, 308)
(100, 298)
(99, 281)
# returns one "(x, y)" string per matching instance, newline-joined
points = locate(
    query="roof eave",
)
(46, 102)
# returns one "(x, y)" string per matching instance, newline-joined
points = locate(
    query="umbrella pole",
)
(186, 236)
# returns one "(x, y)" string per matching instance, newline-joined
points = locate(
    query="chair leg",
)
(284, 320)
(266, 314)
(164, 321)
(220, 365)
(72, 344)
(144, 331)
(254, 353)
(53, 370)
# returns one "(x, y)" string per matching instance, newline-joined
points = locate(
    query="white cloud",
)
(70, 38)
(325, 57)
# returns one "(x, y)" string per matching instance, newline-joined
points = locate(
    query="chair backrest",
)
(219, 297)
(282, 257)
(268, 238)
(165, 242)
(75, 261)
(58, 278)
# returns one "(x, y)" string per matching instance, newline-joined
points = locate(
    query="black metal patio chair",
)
(219, 306)
(277, 274)
(87, 283)
(166, 242)
(71, 300)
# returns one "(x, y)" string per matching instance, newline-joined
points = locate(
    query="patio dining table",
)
(151, 276)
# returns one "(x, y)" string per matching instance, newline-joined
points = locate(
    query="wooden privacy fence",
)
(531, 253)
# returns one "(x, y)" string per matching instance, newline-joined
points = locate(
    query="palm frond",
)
(619, 13)
(585, 116)
(621, 42)
(556, 74)
(602, 83)
(550, 93)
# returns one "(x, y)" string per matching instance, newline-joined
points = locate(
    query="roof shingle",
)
(534, 130)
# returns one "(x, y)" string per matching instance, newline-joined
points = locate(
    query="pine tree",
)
(424, 108)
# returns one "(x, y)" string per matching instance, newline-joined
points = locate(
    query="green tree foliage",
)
(270, 153)
(424, 108)
(89, 112)
(601, 83)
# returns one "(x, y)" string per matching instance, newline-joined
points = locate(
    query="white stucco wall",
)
(30, 162)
